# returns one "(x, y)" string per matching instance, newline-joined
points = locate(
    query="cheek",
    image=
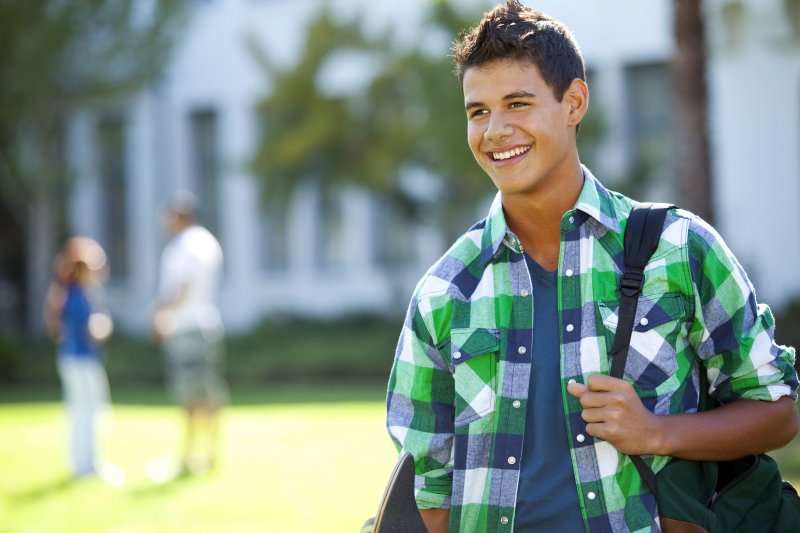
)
(474, 138)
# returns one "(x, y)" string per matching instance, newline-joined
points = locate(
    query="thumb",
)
(576, 389)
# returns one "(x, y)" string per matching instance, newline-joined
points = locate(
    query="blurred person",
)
(77, 319)
(188, 325)
(500, 387)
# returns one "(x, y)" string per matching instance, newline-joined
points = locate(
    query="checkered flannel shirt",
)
(458, 389)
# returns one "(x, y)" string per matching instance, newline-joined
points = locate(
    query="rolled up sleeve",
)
(731, 332)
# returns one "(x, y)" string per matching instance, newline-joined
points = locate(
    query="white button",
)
(591, 495)
(644, 321)
(504, 520)
(571, 220)
(512, 460)
(569, 273)
(515, 404)
(580, 438)
(457, 355)
(570, 327)
(521, 350)
(572, 381)
(523, 293)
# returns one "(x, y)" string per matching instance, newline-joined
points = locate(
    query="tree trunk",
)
(690, 99)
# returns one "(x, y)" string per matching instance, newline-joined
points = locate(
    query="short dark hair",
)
(514, 31)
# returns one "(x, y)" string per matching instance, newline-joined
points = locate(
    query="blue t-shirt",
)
(547, 497)
(75, 340)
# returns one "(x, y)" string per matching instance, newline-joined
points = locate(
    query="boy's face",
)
(520, 135)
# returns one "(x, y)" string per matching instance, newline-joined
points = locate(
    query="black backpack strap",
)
(642, 235)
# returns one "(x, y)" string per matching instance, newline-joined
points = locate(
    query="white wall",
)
(755, 113)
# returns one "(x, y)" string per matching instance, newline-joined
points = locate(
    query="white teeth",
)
(497, 156)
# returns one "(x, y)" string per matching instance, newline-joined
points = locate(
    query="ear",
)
(576, 99)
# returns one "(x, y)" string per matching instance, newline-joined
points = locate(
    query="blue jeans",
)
(85, 387)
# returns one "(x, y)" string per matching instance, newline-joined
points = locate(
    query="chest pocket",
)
(474, 353)
(658, 326)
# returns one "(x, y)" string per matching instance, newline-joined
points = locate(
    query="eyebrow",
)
(510, 96)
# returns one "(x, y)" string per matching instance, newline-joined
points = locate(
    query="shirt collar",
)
(594, 200)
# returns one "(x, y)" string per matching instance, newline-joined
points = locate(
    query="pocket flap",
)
(467, 343)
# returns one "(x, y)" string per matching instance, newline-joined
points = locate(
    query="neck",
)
(535, 217)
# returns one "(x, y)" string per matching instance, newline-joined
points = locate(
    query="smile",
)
(499, 156)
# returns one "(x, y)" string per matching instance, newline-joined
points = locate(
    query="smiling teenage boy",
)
(500, 387)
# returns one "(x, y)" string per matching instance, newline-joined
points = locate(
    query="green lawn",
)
(296, 458)
(317, 465)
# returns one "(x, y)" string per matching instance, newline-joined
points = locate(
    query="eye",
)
(518, 104)
(477, 112)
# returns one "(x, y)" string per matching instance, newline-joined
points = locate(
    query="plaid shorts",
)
(194, 367)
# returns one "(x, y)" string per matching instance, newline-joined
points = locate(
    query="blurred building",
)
(197, 128)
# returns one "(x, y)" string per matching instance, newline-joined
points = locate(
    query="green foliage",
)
(787, 324)
(25, 360)
(354, 348)
(408, 116)
(55, 55)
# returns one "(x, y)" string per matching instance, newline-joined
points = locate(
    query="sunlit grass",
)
(313, 467)
(310, 459)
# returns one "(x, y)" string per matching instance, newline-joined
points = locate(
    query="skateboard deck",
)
(397, 512)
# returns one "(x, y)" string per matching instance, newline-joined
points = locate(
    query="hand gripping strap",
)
(642, 234)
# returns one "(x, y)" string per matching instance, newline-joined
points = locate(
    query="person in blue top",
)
(78, 322)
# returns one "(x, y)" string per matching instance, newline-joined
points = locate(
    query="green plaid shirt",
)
(458, 389)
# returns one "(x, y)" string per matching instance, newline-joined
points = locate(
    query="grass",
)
(317, 464)
(297, 458)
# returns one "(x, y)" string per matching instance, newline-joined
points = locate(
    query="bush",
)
(787, 324)
(24, 360)
(355, 348)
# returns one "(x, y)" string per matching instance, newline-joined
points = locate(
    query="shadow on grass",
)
(46, 490)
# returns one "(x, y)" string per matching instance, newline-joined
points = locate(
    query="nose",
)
(497, 129)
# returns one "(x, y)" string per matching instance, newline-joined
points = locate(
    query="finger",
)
(577, 389)
(603, 383)
(591, 400)
(596, 429)
(595, 416)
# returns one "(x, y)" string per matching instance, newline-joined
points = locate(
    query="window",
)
(391, 236)
(274, 241)
(113, 186)
(649, 129)
(330, 232)
(205, 166)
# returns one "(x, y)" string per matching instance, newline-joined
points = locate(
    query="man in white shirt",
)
(188, 324)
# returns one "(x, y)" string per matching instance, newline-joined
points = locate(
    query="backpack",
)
(745, 495)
